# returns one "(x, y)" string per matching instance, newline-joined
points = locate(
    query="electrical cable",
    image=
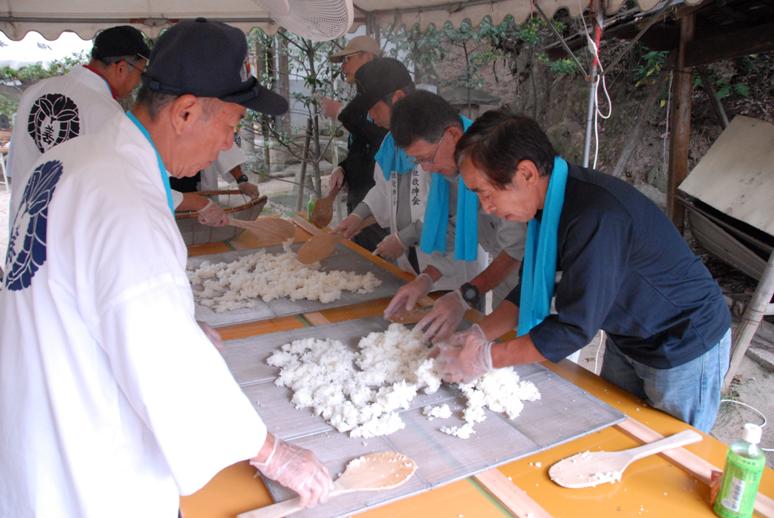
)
(600, 78)
(755, 410)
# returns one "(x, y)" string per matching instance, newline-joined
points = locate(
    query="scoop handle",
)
(673, 441)
(285, 508)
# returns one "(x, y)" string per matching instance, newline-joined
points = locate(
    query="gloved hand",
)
(212, 335)
(330, 107)
(349, 226)
(298, 469)
(212, 215)
(336, 181)
(443, 319)
(464, 364)
(408, 295)
(390, 247)
(248, 189)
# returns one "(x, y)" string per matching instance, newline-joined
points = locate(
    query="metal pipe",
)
(591, 108)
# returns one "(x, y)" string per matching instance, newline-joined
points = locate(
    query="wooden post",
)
(681, 124)
(753, 314)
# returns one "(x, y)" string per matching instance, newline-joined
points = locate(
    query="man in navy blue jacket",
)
(624, 269)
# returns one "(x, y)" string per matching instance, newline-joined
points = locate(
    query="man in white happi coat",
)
(54, 110)
(113, 401)
(399, 196)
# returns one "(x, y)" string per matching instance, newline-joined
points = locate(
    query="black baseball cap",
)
(379, 78)
(208, 59)
(123, 40)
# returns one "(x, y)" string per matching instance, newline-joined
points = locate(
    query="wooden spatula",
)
(372, 472)
(277, 228)
(323, 209)
(318, 247)
(588, 469)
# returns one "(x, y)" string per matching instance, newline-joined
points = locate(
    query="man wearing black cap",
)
(105, 370)
(57, 109)
(399, 196)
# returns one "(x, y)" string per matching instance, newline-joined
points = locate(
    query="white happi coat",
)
(53, 111)
(382, 199)
(112, 400)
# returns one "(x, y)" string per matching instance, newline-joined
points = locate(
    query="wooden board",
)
(736, 176)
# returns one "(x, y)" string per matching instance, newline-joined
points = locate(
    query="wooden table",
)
(656, 486)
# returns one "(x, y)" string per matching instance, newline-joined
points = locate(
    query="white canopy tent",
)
(85, 17)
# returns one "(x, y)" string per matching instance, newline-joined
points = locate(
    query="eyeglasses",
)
(141, 60)
(346, 58)
(431, 160)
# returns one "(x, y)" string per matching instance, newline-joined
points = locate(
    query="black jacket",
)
(365, 137)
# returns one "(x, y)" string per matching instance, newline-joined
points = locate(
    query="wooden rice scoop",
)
(323, 209)
(372, 472)
(588, 469)
(318, 247)
(276, 228)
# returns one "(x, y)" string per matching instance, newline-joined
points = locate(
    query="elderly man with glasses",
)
(399, 196)
(59, 108)
(428, 128)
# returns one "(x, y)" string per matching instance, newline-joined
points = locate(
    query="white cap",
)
(752, 433)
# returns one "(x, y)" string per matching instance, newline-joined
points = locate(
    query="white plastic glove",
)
(391, 247)
(464, 364)
(248, 189)
(349, 226)
(443, 319)
(408, 295)
(212, 335)
(336, 181)
(298, 469)
(212, 215)
(330, 107)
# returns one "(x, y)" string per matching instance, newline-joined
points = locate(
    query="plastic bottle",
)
(744, 465)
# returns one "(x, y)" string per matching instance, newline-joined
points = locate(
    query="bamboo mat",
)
(564, 413)
(342, 259)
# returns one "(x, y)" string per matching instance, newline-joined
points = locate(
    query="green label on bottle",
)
(741, 477)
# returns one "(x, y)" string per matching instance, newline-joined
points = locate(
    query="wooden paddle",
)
(588, 469)
(318, 247)
(372, 472)
(323, 209)
(276, 228)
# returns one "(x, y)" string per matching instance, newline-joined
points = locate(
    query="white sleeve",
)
(177, 198)
(172, 376)
(228, 160)
(377, 198)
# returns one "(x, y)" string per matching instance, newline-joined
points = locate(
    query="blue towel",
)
(391, 158)
(538, 277)
(436, 223)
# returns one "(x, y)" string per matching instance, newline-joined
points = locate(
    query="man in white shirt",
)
(57, 109)
(113, 401)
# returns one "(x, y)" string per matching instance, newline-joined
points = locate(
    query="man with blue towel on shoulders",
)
(625, 270)
(399, 196)
(427, 128)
